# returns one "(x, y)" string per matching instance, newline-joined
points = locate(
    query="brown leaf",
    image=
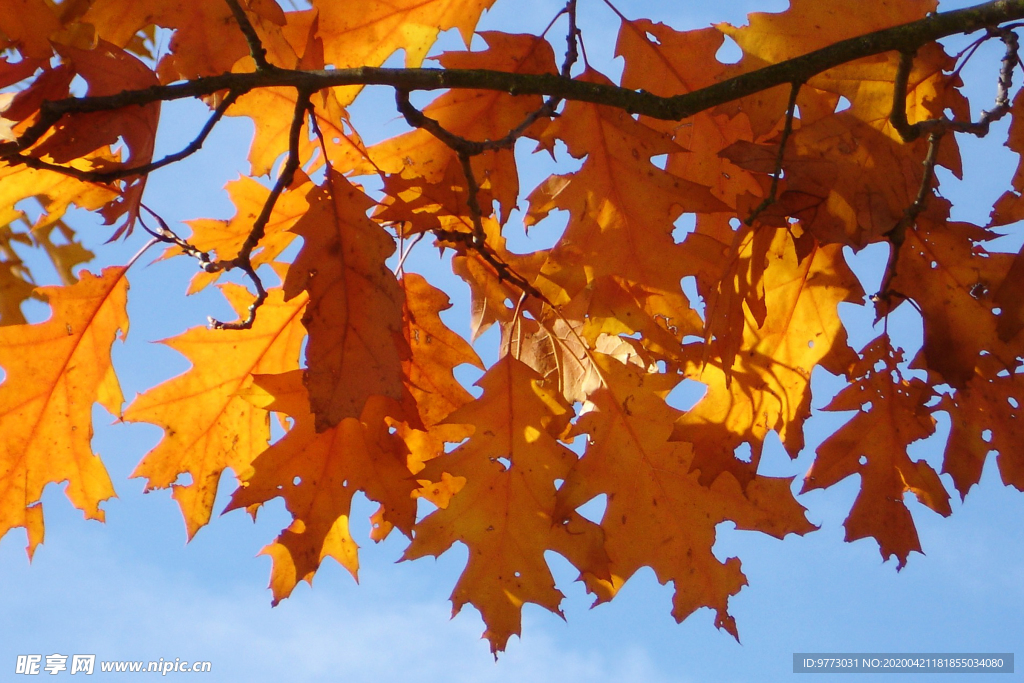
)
(354, 316)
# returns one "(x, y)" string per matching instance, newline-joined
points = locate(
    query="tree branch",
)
(142, 170)
(904, 38)
(243, 260)
(936, 129)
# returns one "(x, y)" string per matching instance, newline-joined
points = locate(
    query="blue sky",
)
(132, 589)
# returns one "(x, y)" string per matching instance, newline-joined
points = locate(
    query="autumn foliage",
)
(825, 136)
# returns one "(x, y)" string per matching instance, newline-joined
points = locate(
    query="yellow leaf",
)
(208, 425)
(55, 371)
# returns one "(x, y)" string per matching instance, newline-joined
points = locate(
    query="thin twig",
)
(166, 235)
(787, 130)
(910, 132)
(256, 49)
(243, 260)
(406, 252)
(142, 170)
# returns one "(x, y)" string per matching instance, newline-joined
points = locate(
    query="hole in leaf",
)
(743, 452)
(594, 508)
(730, 52)
(683, 226)
(653, 38)
(689, 285)
(842, 105)
(296, 481)
(986, 436)
(505, 462)
(1012, 401)
(686, 394)
(863, 460)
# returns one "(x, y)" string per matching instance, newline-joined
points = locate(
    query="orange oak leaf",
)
(206, 40)
(56, 192)
(108, 70)
(415, 206)
(622, 207)
(953, 280)
(809, 25)
(435, 351)
(766, 385)
(985, 417)
(354, 316)
(16, 278)
(15, 289)
(657, 513)
(1010, 316)
(27, 26)
(272, 111)
(660, 60)
(225, 238)
(367, 33)
(1009, 208)
(54, 372)
(847, 181)
(890, 416)
(208, 426)
(317, 474)
(504, 512)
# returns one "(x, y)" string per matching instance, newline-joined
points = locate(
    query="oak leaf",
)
(891, 415)
(208, 425)
(54, 372)
(766, 384)
(658, 514)
(354, 317)
(317, 474)
(504, 513)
